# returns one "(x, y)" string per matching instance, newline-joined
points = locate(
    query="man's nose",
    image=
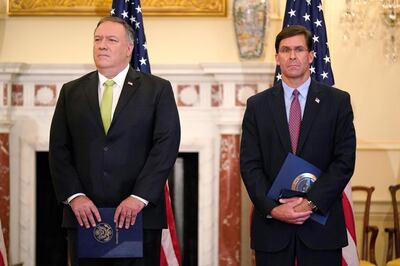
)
(102, 45)
(292, 54)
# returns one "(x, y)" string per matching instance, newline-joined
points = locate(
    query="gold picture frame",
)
(102, 7)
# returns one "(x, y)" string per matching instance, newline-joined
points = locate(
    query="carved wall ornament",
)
(102, 7)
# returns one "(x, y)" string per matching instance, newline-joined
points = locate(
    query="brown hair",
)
(291, 31)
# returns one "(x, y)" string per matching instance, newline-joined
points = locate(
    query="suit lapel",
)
(311, 110)
(91, 88)
(132, 82)
(277, 103)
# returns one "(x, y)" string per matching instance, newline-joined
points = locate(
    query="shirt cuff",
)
(68, 201)
(141, 199)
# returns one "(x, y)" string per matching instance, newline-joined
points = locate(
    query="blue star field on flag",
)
(131, 12)
(309, 14)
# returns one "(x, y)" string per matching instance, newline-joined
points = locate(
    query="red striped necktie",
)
(294, 121)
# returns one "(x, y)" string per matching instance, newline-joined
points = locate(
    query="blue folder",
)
(290, 179)
(107, 241)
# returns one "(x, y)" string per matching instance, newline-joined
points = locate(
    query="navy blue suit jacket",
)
(327, 140)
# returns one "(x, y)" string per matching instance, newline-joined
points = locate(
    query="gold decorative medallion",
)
(103, 7)
(103, 232)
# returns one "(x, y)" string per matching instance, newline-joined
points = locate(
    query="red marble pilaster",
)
(5, 186)
(229, 201)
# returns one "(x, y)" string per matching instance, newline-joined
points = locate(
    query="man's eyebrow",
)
(106, 36)
(292, 46)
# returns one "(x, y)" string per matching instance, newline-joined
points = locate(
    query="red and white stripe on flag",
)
(349, 253)
(170, 255)
(3, 253)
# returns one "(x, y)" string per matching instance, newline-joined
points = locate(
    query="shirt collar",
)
(118, 79)
(303, 89)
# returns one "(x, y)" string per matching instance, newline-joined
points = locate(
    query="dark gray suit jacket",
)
(327, 140)
(135, 157)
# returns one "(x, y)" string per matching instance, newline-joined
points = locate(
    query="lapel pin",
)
(130, 83)
(317, 100)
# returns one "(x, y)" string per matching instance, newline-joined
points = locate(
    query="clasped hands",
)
(292, 210)
(87, 213)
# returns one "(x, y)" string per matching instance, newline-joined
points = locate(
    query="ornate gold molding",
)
(102, 7)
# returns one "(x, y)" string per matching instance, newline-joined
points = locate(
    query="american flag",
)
(309, 14)
(131, 12)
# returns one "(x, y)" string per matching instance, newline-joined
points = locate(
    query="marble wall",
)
(229, 201)
(5, 186)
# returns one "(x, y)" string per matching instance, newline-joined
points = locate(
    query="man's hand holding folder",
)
(108, 240)
(87, 214)
(291, 211)
(290, 188)
(127, 211)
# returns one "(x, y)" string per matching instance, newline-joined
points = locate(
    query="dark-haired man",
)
(315, 122)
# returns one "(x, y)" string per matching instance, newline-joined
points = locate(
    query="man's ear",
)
(276, 60)
(130, 49)
(311, 57)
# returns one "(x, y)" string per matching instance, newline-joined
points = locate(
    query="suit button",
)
(105, 148)
(105, 173)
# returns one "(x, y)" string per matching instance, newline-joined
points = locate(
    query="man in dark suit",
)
(114, 139)
(314, 121)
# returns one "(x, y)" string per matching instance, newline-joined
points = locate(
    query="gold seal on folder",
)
(303, 182)
(103, 232)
